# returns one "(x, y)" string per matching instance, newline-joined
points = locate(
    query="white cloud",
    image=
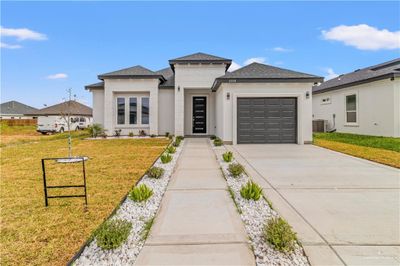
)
(57, 76)
(364, 37)
(22, 34)
(9, 46)
(254, 60)
(281, 49)
(330, 74)
(234, 66)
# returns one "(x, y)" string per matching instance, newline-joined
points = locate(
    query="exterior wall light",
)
(228, 96)
(179, 88)
(307, 94)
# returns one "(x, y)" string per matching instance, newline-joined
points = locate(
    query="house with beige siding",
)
(366, 101)
(196, 96)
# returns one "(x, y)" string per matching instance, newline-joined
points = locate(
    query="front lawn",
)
(35, 235)
(383, 150)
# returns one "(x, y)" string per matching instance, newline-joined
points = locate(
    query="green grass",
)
(31, 234)
(386, 143)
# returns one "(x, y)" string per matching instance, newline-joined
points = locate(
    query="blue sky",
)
(48, 47)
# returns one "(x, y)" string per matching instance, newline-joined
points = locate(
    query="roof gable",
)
(131, 72)
(14, 107)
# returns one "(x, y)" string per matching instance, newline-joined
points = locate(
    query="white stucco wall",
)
(378, 108)
(130, 87)
(98, 106)
(227, 129)
(210, 122)
(190, 77)
(166, 110)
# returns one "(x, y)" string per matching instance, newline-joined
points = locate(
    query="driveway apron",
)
(197, 223)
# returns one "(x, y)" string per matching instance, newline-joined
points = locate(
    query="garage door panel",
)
(267, 120)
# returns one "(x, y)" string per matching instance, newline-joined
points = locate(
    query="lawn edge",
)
(91, 237)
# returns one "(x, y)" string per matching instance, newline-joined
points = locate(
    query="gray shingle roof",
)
(16, 108)
(135, 71)
(385, 70)
(169, 75)
(72, 107)
(200, 58)
(257, 72)
(98, 85)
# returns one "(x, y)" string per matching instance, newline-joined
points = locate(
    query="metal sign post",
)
(64, 160)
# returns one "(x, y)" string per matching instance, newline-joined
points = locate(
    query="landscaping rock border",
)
(255, 215)
(138, 213)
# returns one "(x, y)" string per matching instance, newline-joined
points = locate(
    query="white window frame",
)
(345, 109)
(126, 124)
(128, 98)
(141, 109)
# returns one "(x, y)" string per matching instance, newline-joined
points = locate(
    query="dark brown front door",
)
(199, 114)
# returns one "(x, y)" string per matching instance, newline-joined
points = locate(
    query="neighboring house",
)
(16, 110)
(366, 101)
(196, 95)
(54, 118)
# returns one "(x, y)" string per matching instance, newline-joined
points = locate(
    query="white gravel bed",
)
(255, 215)
(138, 213)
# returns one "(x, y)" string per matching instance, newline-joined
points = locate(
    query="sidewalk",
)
(197, 223)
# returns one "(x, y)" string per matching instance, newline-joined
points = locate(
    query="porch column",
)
(179, 111)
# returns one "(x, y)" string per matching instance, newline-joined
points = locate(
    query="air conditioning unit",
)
(320, 125)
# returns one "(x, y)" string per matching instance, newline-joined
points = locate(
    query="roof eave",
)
(219, 81)
(359, 82)
(172, 62)
(102, 77)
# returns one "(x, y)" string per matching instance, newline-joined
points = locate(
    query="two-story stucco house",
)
(196, 95)
(366, 101)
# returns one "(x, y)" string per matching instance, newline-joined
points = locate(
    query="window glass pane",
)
(351, 103)
(132, 111)
(145, 110)
(120, 111)
(351, 117)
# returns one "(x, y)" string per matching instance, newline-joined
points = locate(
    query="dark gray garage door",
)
(267, 120)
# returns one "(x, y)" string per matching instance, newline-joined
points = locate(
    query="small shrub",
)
(227, 156)
(212, 137)
(140, 193)
(235, 169)
(180, 138)
(117, 133)
(218, 142)
(142, 133)
(167, 134)
(251, 191)
(166, 158)
(131, 134)
(113, 233)
(280, 235)
(152, 136)
(95, 130)
(103, 135)
(171, 149)
(176, 143)
(170, 137)
(155, 172)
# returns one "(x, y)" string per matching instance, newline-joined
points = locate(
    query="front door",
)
(199, 114)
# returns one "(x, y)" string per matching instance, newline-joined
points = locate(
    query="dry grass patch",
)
(382, 156)
(35, 235)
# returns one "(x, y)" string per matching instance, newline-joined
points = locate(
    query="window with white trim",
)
(120, 111)
(351, 108)
(145, 110)
(132, 110)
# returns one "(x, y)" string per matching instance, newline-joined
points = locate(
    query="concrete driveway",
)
(345, 210)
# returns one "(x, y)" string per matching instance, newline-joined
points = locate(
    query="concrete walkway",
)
(345, 210)
(197, 223)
